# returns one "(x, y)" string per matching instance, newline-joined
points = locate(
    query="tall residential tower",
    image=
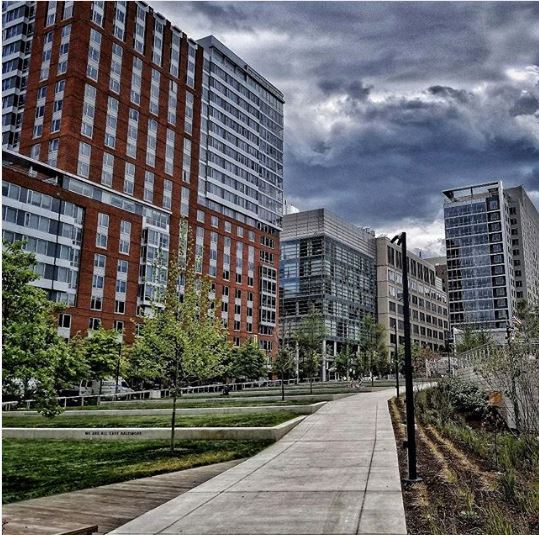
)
(139, 135)
(480, 273)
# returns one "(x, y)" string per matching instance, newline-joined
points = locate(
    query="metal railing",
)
(96, 399)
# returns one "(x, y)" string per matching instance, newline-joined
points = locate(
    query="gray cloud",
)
(389, 103)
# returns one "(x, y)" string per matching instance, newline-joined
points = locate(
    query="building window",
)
(85, 152)
(98, 13)
(136, 80)
(64, 50)
(94, 324)
(116, 68)
(140, 29)
(186, 167)
(154, 92)
(100, 261)
(108, 169)
(148, 186)
(68, 10)
(132, 133)
(96, 302)
(157, 42)
(129, 178)
(172, 101)
(125, 237)
(119, 307)
(88, 111)
(51, 14)
(64, 321)
(102, 231)
(167, 194)
(151, 142)
(184, 203)
(169, 152)
(191, 65)
(119, 19)
(112, 122)
(54, 145)
(175, 53)
(94, 55)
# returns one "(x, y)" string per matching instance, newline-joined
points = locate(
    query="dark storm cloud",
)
(389, 103)
(526, 104)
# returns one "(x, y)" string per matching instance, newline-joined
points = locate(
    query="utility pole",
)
(408, 367)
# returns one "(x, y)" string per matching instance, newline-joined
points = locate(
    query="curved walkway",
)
(335, 473)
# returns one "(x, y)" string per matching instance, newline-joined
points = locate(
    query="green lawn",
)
(189, 403)
(202, 420)
(34, 468)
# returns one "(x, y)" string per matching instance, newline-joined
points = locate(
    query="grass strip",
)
(35, 468)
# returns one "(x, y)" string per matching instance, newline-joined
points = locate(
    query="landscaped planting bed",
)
(476, 479)
(42, 467)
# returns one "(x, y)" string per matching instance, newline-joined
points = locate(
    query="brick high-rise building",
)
(142, 130)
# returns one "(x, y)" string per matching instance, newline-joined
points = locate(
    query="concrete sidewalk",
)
(335, 473)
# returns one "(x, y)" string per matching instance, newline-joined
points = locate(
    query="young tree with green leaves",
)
(349, 363)
(35, 359)
(470, 338)
(283, 366)
(249, 362)
(373, 345)
(309, 335)
(100, 351)
(182, 339)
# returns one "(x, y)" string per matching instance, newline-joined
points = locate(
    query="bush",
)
(466, 397)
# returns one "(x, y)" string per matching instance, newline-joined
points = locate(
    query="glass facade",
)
(241, 155)
(52, 230)
(17, 33)
(479, 263)
(337, 280)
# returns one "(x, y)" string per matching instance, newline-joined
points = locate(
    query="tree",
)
(100, 351)
(284, 366)
(182, 335)
(33, 353)
(249, 361)
(309, 335)
(471, 338)
(349, 364)
(373, 345)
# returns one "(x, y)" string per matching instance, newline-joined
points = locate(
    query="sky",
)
(388, 104)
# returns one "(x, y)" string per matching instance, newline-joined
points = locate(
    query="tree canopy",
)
(35, 359)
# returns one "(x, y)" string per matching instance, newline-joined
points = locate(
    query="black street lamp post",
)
(397, 358)
(408, 368)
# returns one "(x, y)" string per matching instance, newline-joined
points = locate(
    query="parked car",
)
(106, 387)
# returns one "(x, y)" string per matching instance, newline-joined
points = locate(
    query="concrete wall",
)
(153, 433)
(297, 409)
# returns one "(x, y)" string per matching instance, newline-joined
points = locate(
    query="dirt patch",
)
(459, 492)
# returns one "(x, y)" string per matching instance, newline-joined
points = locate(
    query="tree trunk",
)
(174, 399)
(282, 389)
(311, 384)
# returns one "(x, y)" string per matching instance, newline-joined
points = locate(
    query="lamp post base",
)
(409, 481)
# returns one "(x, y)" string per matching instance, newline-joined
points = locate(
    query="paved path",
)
(335, 473)
(108, 506)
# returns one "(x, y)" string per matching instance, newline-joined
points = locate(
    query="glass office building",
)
(327, 264)
(479, 257)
